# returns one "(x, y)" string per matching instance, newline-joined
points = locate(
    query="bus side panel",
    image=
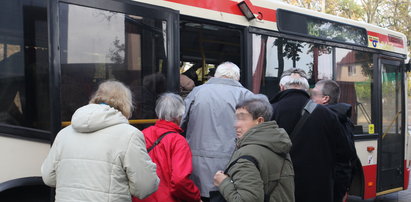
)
(368, 161)
(370, 179)
(22, 158)
(406, 175)
(407, 152)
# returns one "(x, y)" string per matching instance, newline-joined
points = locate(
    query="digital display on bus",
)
(296, 23)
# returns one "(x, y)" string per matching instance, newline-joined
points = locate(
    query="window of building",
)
(351, 70)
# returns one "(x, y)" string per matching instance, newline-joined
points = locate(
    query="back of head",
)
(329, 88)
(155, 82)
(257, 106)
(170, 107)
(228, 70)
(294, 78)
(115, 94)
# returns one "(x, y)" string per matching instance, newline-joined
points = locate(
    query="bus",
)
(54, 53)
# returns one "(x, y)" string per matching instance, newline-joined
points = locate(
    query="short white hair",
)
(290, 82)
(170, 107)
(228, 70)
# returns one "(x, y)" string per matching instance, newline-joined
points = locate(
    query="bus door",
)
(131, 42)
(204, 45)
(391, 141)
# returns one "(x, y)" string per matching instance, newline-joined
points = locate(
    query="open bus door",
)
(390, 169)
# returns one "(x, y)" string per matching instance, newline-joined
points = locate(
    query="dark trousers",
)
(205, 199)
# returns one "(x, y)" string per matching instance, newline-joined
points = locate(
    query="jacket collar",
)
(224, 81)
(267, 135)
(287, 93)
(168, 125)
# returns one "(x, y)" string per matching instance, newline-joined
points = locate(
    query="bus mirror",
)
(247, 9)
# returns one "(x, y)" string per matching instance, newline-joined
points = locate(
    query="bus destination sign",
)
(296, 23)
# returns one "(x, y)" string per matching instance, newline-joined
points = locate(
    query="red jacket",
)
(173, 158)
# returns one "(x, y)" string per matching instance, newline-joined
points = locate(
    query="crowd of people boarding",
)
(221, 143)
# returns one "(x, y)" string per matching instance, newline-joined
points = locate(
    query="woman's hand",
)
(219, 177)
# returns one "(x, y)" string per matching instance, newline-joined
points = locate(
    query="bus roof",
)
(267, 18)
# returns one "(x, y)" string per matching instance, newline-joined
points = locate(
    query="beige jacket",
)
(100, 157)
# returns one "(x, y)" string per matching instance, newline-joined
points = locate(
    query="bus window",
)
(272, 56)
(204, 47)
(354, 75)
(24, 75)
(391, 99)
(97, 45)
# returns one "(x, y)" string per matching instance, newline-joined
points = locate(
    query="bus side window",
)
(118, 46)
(24, 75)
(354, 75)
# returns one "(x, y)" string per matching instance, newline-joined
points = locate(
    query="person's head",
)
(294, 78)
(228, 70)
(155, 82)
(170, 107)
(326, 92)
(252, 112)
(115, 94)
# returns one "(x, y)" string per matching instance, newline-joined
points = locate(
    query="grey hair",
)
(290, 82)
(257, 106)
(228, 70)
(170, 107)
(330, 88)
(115, 94)
(298, 71)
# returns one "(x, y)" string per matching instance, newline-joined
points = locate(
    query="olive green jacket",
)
(270, 146)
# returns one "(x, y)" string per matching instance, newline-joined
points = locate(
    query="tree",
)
(345, 8)
(116, 54)
(397, 16)
(309, 4)
(292, 50)
(371, 10)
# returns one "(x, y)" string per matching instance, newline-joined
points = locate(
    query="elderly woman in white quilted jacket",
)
(100, 157)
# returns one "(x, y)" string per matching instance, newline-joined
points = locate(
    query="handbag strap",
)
(248, 157)
(158, 140)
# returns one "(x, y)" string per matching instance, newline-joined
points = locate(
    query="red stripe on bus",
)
(406, 175)
(370, 181)
(391, 40)
(381, 37)
(227, 6)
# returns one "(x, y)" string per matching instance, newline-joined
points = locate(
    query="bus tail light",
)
(370, 148)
